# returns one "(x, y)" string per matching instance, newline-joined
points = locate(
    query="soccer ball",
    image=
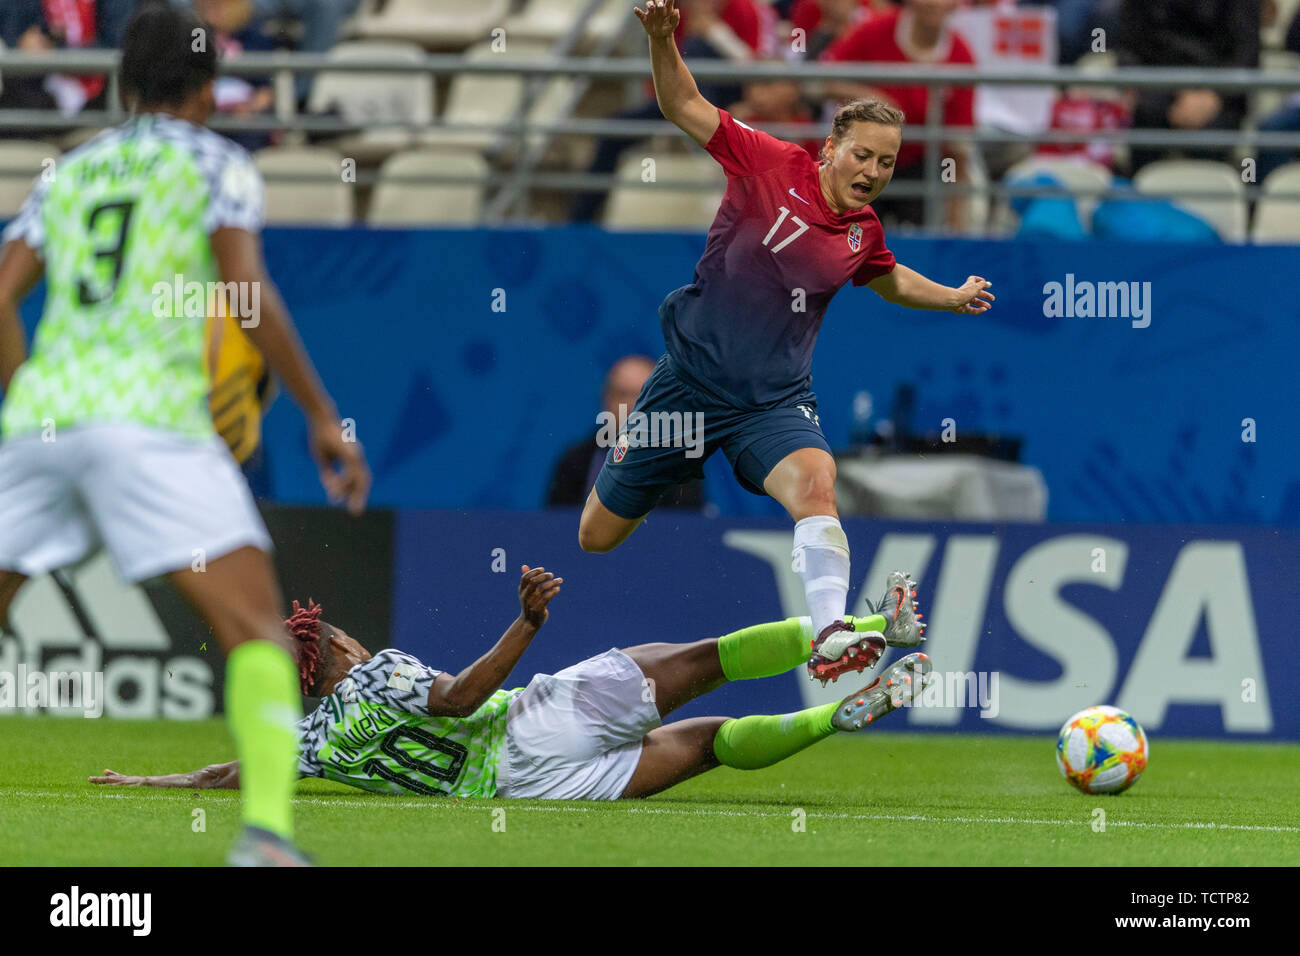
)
(1102, 750)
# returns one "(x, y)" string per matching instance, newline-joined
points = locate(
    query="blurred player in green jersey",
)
(107, 436)
(594, 731)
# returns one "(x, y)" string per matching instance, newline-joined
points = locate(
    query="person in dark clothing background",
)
(578, 466)
(1284, 120)
(1203, 33)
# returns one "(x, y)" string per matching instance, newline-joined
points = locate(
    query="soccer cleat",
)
(905, 627)
(897, 686)
(258, 847)
(839, 649)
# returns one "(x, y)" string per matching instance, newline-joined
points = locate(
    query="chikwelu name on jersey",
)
(358, 731)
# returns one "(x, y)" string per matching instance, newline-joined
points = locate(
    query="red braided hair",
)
(304, 627)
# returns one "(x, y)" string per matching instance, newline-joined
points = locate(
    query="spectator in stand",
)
(16, 18)
(23, 27)
(1085, 109)
(735, 30)
(40, 25)
(113, 16)
(71, 25)
(238, 31)
(322, 22)
(1075, 22)
(1286, 119)
(822, 22)
(1207, 34)
(577, 469)
(917, 32)
(777, 101)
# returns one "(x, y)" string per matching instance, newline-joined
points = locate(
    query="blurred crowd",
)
(1002, 34)
(312, 26)
(995, 34)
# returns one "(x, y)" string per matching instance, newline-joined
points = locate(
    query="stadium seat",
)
(492, 100)
(664, 207)
(549, 20)
(304, 185)
(397, 203)
(1277, 218)
(1226, 214)
(1081, 176)
(375, 99)
(21, 161)
(434, 24)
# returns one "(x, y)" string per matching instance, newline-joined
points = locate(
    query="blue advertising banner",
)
(1188, 628)
(1149, 382)
(470, 360)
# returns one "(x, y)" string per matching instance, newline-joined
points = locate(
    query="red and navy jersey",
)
(776, 254)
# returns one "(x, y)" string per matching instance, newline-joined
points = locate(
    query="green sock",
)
(876, 622)
(765, 650)
(262, 706)
(749, 743)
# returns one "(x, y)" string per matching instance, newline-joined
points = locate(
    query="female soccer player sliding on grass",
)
(390, 724)
(108, 439)
(789, 234)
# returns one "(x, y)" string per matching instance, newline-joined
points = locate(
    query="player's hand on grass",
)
(342, 464)
(536, 588)
(973, 296)
(121, 779)
(660, 17)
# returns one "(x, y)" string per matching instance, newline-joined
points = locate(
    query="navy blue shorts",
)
(679, 427)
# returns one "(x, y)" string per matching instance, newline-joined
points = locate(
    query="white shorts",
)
(156, 500)
(576, 735)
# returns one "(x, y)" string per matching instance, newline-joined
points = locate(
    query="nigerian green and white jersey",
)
(121, 222)
(375, 732)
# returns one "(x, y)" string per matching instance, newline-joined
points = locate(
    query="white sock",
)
(821, 558)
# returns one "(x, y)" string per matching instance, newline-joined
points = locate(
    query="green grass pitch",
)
(876, 797)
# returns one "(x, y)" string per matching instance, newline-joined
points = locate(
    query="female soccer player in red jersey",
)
(736, 374)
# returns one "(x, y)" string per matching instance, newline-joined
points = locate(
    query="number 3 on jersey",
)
(803, 227)
(112, 253)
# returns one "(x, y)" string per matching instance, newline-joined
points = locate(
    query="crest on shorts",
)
(855, 237)
(620, 449)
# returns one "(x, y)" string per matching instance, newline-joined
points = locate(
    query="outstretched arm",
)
(904, 286)
(218, 776)
(465, 693)
(679, 98)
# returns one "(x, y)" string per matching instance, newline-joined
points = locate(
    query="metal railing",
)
(516, 184)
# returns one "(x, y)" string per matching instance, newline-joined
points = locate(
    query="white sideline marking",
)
(477, 803)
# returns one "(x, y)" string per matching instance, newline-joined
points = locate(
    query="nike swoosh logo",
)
(798, 197)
